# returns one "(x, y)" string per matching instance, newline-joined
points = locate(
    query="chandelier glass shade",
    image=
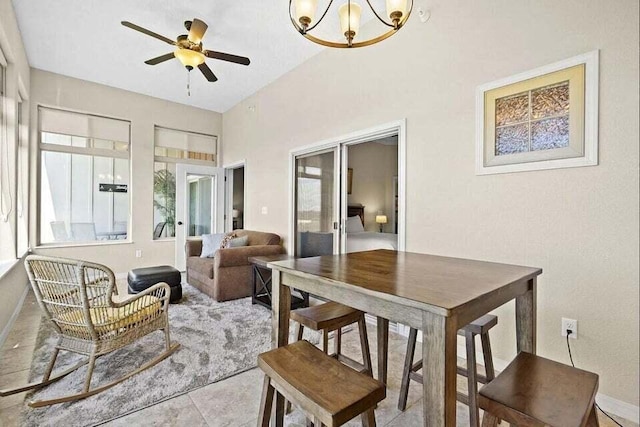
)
(303, 15)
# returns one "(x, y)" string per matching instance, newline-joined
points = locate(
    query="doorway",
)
(199, 210)
(235, 196)
(336, 208)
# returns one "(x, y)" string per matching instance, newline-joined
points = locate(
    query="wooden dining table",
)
(434, 294)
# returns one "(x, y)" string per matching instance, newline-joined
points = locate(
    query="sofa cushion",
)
(238, 241)
(202, 265)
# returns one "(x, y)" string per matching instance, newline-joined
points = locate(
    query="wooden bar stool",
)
(329, 392)
(534, 391)
(332, 316)
(480, 327)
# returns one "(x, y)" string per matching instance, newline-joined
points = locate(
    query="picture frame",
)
(349, 179)
(545, 118)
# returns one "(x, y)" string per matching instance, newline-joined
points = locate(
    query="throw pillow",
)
(210, 244)
(354, 225)
(226, 239)
(238, 241)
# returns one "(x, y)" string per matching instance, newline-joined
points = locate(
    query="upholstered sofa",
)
(228, 275)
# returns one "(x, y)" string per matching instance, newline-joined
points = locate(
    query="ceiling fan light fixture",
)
(188, 57)
(305, 12)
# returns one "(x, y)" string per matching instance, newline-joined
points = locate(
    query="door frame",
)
(398, 127)
(228, 193)
(182, 201)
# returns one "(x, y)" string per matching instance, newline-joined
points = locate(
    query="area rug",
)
(217, 340)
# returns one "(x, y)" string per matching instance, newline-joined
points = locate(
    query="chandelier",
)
(303, 14)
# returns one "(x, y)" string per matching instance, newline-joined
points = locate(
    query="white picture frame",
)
(587, 155)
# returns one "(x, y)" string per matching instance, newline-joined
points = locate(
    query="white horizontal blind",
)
(190, 143)
(83, 125)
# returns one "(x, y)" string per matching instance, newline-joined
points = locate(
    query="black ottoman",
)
(141, 279)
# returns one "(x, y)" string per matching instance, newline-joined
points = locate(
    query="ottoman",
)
(143, 278)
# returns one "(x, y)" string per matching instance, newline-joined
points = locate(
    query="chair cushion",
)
(238, 242)
(108, 319)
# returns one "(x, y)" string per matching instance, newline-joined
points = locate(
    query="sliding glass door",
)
(316, 203)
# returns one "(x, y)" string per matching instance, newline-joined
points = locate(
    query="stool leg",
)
(488, 420)
(408, 363)
(299, 331)
(593, 417)
(472, 379)
(364, 344)
(338, 341)
(325, 341)
(368, 418)
(266, 402)
(488, 358)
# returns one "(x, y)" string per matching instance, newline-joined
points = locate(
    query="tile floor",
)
(232, 402)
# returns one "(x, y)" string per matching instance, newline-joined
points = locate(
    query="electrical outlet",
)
(572, 325)
(138, 253)
(264, 210)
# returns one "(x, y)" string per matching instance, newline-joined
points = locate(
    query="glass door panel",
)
(316, 207)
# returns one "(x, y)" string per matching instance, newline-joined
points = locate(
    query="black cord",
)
(573, 364)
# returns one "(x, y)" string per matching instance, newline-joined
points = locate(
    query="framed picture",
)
(545, 118)
(349, 179)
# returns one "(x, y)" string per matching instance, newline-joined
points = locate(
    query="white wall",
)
(13, 282)
(580, 225)
(374, 166)
(144, 112)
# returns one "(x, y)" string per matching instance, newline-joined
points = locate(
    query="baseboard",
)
(14, 316)
(608, 404)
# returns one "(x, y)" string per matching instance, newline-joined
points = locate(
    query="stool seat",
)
(327, 316)
(481, 325)
(329, 391)
(534, 391)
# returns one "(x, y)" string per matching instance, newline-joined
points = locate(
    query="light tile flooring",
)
(232, 402)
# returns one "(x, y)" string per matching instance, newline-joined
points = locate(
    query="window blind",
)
(83, 125)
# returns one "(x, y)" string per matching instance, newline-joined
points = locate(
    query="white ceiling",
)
(84, 39)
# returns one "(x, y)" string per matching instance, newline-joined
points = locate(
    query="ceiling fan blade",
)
(159, 59)
(147, 32)
(227, 57)
(197, 30)
(207, 72)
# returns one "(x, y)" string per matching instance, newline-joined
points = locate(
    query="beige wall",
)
(580, 225)
(13, 282)
(374, 166)
(144, 112)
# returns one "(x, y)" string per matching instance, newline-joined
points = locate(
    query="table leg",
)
(383, 348)
(280, 308)
(526, 319)
(439, 345)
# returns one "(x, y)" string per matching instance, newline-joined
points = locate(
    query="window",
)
(22, 190)
(84, 177)
(7, 247)
(173, 147)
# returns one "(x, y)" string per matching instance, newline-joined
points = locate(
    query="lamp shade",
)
(395, 7)
(235, 213)
(350, 18)
(381, 219)
(188, 57)
(305, 11)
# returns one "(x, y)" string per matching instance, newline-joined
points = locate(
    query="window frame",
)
(86, 151)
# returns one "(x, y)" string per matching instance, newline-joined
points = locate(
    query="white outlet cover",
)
(264, 210)
(569, 324)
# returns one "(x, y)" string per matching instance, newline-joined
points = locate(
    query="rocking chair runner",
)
(77, 297)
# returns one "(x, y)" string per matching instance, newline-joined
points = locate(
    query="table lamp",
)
(381, 219)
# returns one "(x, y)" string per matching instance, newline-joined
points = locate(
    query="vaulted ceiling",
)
(84, 39)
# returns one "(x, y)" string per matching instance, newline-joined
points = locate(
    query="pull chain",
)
(188, 83)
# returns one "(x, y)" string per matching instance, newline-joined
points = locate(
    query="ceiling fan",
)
(189, 48)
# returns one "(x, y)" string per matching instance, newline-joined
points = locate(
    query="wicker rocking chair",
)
(76, 297)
